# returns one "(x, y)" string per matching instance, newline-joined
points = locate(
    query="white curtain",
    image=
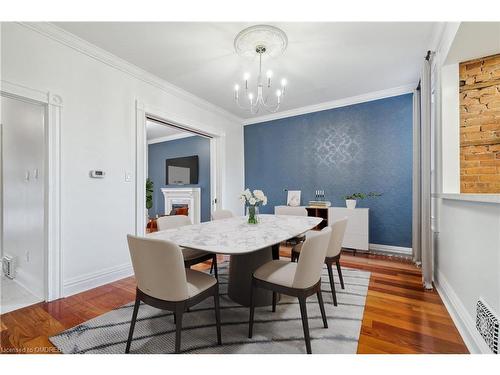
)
(423, 225)
(421, 229)
(416, 227)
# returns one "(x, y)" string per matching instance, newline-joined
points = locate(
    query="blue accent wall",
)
(159, 152)
(358, 148)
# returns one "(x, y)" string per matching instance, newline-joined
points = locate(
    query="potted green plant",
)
(149, 194)
(351, 199)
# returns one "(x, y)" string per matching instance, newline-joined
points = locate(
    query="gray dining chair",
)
(191, 256)
(332, 255)
(292, 211)
(301, 279)
(163, 282)
(222, 214)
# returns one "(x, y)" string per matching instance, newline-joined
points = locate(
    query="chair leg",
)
(305, 323)
(275, 250)
(132, 324)
(339, 271)
(274, 301)
(322, 308)
(217, 315)
(332, 283)
(214, 266)
(252, 308)
(178, 327)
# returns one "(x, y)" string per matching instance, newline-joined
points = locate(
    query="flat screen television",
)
(182, 171)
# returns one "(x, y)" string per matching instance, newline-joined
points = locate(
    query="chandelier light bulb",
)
(283, 82)
(269, 74)
(250, 96)
(246, 76)
(236, 87)
(278, 93)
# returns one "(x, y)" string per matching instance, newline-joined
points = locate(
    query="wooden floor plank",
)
(400, 316)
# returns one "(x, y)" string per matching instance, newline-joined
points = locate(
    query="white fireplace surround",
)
(189, 196)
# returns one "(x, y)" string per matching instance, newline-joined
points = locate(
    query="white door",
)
(23, 192)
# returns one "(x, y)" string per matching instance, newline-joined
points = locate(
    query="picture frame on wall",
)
(293, 198)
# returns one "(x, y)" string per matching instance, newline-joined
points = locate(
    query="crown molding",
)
(395, 91)
(170, 138)
(70, 40)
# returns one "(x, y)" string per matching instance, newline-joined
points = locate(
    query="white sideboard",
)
(356, 234)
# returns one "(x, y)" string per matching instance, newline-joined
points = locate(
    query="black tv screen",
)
(182, 171)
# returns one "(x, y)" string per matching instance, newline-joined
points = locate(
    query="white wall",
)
(468, 262)
(450, 129)
(467, 246)
(98, 132)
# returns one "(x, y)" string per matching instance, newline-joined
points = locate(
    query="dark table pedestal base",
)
(241, 269)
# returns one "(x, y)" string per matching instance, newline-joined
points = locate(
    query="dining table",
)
(248, 245)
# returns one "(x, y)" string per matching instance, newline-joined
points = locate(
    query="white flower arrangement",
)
(255, 198)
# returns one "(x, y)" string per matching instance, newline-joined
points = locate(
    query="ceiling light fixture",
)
(258, 41)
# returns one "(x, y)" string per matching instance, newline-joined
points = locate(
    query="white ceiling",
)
(474, 40)
(323, 61)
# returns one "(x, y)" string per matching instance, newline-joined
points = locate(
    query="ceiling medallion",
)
(254, 41)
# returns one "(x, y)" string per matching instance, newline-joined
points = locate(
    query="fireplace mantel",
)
(189, 196)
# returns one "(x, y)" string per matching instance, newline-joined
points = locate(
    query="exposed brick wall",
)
(480, 125)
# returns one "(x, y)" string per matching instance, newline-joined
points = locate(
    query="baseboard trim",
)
(465, 325)
(391, 249)
(95, 279)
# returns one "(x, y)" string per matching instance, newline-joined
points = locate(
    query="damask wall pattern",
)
(358, 148)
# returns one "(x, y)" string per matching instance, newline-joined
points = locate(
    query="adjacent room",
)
(250, 187)
(178, 173)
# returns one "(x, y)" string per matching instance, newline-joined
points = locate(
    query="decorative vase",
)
(253, 214)
(350, 203)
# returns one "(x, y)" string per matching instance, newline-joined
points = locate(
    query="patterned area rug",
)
(275, 333)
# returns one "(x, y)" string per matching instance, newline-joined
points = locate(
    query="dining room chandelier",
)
(259, 41)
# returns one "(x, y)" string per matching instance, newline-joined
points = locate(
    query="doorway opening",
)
(23, 200)
(179, 172)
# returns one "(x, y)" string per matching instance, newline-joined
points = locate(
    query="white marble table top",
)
(236, 236)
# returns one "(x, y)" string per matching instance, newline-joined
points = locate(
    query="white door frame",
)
(52, 246)
(217, 142)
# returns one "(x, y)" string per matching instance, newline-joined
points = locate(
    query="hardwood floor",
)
(400, 316)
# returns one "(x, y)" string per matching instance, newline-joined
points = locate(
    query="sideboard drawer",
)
(357, 231)
(355, 241)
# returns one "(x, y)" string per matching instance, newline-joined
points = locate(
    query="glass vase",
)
(253, 214)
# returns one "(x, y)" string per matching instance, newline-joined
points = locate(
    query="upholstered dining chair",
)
(301, 279)
(332, 255)
(222, 214)
(292, 211)
(163, 282)
(289, 210)
(191, 256)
